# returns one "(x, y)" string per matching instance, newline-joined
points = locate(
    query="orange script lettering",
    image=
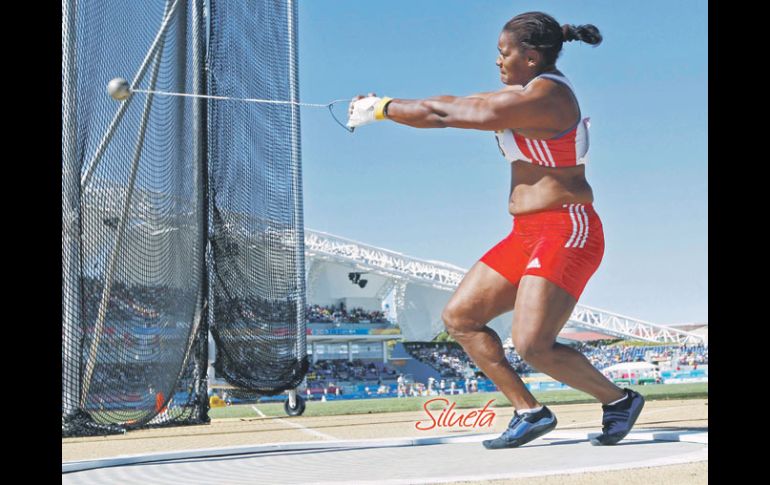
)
(448, 417)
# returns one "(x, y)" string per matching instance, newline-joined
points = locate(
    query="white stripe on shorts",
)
(574, 227)
(578, 225)
(585, 216)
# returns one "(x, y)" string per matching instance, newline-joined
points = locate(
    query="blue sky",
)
(441, 194)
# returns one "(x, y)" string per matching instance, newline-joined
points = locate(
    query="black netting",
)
(148, 182)
(257, 277)
(133, 235)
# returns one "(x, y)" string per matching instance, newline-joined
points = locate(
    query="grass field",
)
(390, 405)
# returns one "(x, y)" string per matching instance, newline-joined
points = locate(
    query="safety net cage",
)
(257, 289)
(180, 215)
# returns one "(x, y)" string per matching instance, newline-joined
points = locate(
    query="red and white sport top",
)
(567, 149)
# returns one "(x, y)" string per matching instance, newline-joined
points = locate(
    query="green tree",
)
(444, 337)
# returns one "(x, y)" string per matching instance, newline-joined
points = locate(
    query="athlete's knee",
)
(458, 322)
(532, 350)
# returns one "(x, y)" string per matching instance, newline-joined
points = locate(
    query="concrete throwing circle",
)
(394, 460)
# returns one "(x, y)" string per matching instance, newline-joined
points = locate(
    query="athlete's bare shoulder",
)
(504, 89)
(544, 85)
(513, 87)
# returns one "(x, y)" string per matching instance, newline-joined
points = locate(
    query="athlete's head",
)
(531, 42)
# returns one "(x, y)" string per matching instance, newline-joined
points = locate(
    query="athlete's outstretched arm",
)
(512, 107)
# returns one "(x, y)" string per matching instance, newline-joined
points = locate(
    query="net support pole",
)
(180, 54)
(117, 249)
(71, 314)
(296, 158)
(200, 142)
(209, 256)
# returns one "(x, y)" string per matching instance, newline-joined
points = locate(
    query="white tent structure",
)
(632, 371)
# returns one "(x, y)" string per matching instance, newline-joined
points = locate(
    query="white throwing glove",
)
(366, 110)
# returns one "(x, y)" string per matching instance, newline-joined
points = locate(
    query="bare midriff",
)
(535, 188)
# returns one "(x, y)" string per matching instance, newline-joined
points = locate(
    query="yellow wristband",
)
(379, 110)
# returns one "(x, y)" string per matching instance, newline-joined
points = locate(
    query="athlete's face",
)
(514, 64)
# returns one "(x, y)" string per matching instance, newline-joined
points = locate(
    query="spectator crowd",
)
(331, 314)
(450, 360)
(325, 372)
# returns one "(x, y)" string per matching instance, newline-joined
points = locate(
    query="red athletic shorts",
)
(563, 245)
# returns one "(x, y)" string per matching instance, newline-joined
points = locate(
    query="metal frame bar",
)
(296, 159)
(200, 149)
(71, 295)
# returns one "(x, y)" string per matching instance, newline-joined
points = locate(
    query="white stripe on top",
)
(540, 153)
(532, 151)
(548, 152)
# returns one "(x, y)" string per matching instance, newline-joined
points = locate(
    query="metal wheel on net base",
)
(297, 409)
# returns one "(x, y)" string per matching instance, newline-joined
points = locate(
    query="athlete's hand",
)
(364, 110)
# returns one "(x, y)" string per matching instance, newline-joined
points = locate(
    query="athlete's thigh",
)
(567, 250)
(482, 295)
(542, 309)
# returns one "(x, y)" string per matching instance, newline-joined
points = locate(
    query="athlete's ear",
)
(533, 57)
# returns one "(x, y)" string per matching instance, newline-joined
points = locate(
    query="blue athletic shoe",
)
(618, 419)
(523, 428)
